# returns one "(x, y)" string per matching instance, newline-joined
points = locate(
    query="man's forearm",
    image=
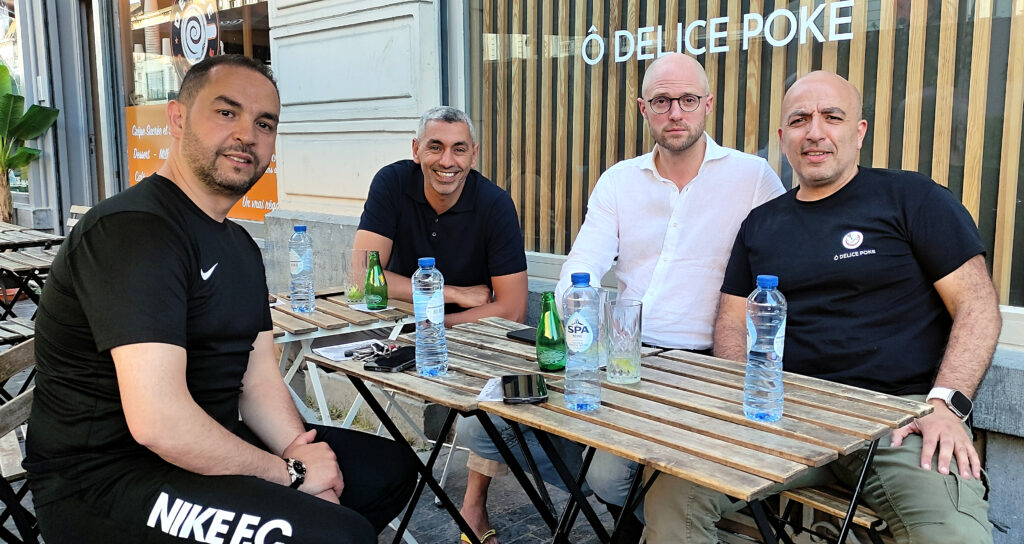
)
(399, 286)
(730, 329)
(972, 342)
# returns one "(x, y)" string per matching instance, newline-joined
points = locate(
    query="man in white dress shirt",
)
(671, 217)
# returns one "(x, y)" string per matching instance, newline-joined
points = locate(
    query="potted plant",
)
(16, 126)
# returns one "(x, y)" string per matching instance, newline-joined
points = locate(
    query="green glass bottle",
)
(550, 335)
(376, 290)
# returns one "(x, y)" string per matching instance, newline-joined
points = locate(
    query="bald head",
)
(836, 83)
(674, 66)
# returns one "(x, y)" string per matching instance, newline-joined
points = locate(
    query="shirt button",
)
(675, 225)
(434, 234)
(435, 220)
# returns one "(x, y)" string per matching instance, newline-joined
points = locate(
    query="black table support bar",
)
(425, 470)
(570, 483)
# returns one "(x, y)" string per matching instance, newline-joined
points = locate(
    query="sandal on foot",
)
(483, 537)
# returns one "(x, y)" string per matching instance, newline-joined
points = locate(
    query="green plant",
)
(16, 126)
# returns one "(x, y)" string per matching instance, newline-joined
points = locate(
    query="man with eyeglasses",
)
(670, 217)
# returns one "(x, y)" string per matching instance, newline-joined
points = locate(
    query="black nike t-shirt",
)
(146, 265)
(857, 269)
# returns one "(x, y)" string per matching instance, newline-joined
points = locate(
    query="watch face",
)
(961, 403)
(300, 468)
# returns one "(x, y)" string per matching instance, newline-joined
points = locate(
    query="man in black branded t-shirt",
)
(153, 336)
(884, 273)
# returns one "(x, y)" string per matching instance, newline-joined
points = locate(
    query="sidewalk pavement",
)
(512, 514)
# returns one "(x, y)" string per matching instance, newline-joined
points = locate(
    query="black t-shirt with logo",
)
(479, 237)
(146, 265)
(857, 269)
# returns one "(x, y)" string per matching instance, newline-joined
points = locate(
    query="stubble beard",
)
(203, 163)
(693, 134)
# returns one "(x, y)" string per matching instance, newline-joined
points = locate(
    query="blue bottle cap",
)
(426, 262)
(300, 228)
(765, 281)
(580, 278)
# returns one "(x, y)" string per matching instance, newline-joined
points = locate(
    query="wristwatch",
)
(957, 402)
(297, 471)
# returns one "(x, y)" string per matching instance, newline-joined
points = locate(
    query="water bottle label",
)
(751, 334)
(579, 335)
(780, 338)
(294, 262)
(435, 308)
(373, 299)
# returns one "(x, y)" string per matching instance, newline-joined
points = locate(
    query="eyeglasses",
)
(687, 103)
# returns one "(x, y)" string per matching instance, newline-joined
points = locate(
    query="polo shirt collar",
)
(466, 200)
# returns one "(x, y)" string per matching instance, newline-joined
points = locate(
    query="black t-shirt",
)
(857, 269)
(479, 237)
(146, 265)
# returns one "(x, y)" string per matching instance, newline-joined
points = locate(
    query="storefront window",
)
(10, 56)
(554, 87)
(162, 40)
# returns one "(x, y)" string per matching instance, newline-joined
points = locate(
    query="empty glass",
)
(622, 335)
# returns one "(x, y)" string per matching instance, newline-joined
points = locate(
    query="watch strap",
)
(945, 394)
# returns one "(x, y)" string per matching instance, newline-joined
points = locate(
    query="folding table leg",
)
(845, 528)
(545, 509)
(568, 517)
(574, 488)
(426, 476)
(761, 520)
(531, 462)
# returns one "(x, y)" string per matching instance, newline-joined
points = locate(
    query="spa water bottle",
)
(375, 291)
(581, 307)
(428, 305)
(766, 337)
(300, 264)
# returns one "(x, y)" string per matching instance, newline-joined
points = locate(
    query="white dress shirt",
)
(672, 245)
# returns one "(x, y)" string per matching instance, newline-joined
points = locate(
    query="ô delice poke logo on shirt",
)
(853, 239)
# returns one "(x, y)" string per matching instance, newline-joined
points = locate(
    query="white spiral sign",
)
(195, 34)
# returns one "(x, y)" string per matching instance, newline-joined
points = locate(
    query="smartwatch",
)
(297, 471)
(957, 402)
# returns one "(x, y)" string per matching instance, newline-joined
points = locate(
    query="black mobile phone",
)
(528, 335)
(401, 359)
(524, 388)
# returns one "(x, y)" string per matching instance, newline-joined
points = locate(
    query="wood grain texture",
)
(975, 147)
(883, 85)
(1013, 126)
(944, 92)
(915, 86)
(548, 175)
(752, 117)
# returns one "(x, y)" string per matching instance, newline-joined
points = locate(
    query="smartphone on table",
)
(524, 389)
(401, 359)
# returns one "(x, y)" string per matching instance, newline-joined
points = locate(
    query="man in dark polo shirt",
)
(436, 205)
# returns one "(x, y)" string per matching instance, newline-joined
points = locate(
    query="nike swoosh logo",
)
(207, 273)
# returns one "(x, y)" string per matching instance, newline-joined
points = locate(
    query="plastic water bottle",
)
(581, 307)
(300, 264)
(766, 337)
(428, 305)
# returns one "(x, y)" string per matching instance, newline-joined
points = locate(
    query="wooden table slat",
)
(328, 306)
(316, 317)
(736, 433)
(518, 349)
(503, 323)
(916, 409)
(291, 324)
(725, 453)
(405, 382)
(730, 481)
(393, 314)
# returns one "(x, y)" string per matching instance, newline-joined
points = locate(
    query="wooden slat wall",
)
(551, 124)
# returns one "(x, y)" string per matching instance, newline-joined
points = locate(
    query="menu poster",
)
(149, 143)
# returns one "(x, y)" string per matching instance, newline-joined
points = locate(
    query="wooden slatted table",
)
(333, 316)
(685, 418)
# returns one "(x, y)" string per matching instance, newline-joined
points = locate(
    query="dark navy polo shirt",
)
(479, 237)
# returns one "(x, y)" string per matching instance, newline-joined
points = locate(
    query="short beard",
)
(692, 137)
(206, 170)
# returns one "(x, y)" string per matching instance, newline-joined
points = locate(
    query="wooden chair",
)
(13, 415)
(75, 214)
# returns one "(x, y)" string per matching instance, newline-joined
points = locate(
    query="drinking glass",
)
(622, 329)
(356, 274)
